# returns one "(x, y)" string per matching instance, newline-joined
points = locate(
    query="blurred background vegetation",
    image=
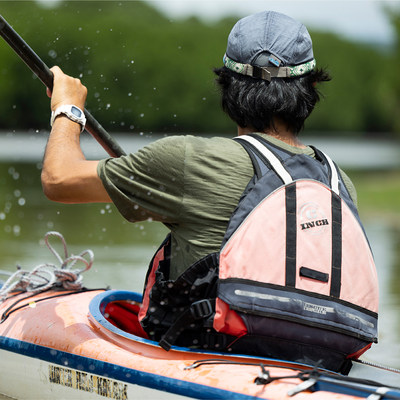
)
(147, 73)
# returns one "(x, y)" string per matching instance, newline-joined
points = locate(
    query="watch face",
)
(76, 111)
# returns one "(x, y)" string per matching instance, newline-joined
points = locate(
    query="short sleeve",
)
(148, 183)
(350, 186)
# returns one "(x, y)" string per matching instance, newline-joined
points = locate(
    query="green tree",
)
(147, 73)
(393, 81)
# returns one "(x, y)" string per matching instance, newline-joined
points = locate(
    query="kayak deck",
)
(80, 352)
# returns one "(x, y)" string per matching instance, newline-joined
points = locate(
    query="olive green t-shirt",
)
(190, 184)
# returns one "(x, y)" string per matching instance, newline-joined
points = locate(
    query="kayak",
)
(60, 340)
(87, 344)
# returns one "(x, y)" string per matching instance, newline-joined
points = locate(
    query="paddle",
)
(40, 69)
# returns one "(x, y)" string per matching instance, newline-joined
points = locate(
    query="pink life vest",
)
(315, 267)
(295, 274)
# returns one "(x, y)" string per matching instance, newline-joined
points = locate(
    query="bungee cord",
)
(47, 275)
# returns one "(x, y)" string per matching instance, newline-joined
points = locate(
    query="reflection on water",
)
(123, 250)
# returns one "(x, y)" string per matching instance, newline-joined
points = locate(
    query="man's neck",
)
(279, 133)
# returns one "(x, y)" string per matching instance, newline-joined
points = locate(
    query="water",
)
(122, 250)
(348, 153)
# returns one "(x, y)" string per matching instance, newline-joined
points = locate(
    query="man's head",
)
(269, 73)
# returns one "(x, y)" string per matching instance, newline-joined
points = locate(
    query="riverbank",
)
(349, 154)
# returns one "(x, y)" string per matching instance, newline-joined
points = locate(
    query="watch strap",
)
(72, 112)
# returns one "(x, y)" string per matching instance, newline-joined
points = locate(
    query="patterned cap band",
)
(267, 73)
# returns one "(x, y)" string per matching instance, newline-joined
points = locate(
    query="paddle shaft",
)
(40, 69)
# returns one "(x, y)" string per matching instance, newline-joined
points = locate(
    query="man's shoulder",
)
(192, 143)
(195, 139)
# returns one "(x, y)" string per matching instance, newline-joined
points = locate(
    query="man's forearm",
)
(66, 175)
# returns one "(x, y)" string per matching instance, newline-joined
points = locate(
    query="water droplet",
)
(16, 230)
(21, 201)
(52, 54)
(7, 206)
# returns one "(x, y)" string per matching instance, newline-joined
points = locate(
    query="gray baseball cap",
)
(269, 40)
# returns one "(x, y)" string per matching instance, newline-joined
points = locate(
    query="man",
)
(192, 184)
(68, 177)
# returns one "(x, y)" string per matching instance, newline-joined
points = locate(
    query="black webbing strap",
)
(251, 152)
(336, 272)
(199, 269)
(291, 239)
(198, 310)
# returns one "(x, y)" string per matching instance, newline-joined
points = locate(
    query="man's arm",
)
(67, 176)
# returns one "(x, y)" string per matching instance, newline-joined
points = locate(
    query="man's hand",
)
(66, 90)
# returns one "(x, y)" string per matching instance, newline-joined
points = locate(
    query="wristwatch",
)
(74, 113)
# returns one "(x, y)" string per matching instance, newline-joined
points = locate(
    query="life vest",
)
(294, 278)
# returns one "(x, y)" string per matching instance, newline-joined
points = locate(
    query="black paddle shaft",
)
(41, 70)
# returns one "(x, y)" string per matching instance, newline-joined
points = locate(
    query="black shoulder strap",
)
(255, 159)
(333, 170)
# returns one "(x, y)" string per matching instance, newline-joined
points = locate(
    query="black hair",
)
(256, 103)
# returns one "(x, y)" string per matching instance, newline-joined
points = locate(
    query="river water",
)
(122, 250)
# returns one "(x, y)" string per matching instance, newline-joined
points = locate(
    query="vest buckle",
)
(201, 309)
